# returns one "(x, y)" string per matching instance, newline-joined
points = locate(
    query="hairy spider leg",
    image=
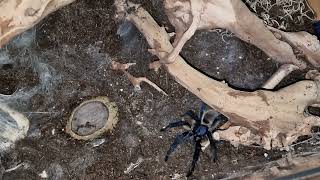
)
(193, 116)
(218, 121)
(195, 159)
(212, 146)
(180, 139)
(176, 124)
(202, 111)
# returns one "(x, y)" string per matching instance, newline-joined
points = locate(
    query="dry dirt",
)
(67, 59)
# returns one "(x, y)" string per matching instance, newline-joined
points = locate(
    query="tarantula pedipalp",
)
(201, 128)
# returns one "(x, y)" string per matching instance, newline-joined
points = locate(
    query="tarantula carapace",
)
(202, 126)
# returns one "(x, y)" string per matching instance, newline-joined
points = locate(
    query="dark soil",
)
(77, 44)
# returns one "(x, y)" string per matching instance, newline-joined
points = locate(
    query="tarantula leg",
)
(218, 121)
(180, 139)
(176, 124)
(193, 116)
(196, 11)
(195, 157)
(212, 146)
(202, 110)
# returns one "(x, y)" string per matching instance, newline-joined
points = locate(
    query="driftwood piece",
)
(279, 75)
(135, 81)
(296, 166)
(16, 16)
(306, 43)
(291, 166)
(187, 17)
(278, 118)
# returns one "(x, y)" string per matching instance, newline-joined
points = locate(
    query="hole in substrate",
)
(8, 83)
(7, 66)
(314, 110)
(315, 129)
(13, 78)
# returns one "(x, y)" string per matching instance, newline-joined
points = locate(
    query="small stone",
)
(216, 136)
(265, 155)
(98, 142)
(234, 162)
(43, 174)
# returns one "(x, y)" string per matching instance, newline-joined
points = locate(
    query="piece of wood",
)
(16, 16)
(135, 81)
(234, 16)
(279, 75)
(277, 117)
(307, 44)
(315, 6)
(296, 166)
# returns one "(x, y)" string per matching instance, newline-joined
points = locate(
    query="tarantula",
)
(200, 129)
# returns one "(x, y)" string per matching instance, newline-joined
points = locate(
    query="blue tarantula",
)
(202, 127)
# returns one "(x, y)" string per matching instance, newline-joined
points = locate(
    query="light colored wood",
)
(135, 81)
(278, 76)
(234, 16)
(277, 117)
(296, 165)
(306, 43)
(315, 5)
(16, 16)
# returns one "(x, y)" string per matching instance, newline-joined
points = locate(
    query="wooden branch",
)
(278, 76)
(16, 16)
(292, 166)
(274, 116)
(306, 43)
(296, 166)
(135, 81)
(234, 16)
